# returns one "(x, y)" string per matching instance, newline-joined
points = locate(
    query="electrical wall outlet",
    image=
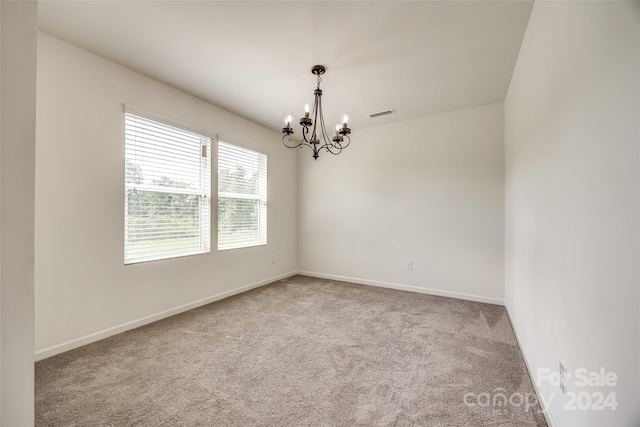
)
(273, 259)
(408, 265)
(563, 378)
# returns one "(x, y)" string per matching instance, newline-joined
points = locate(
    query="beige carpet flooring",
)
(299, 352)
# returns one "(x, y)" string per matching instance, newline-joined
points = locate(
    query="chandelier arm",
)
(343, 146)
(301, 144)
(317, 106)
(334, 149)
(310, 146)
(305, 132)
(335, 154)
(327, 141)
(339, 146)
(289, 138)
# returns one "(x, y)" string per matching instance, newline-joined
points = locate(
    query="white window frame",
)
(204, 192)
(261, 197)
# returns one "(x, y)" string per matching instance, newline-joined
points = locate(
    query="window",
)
(167, 190)
(242, 197)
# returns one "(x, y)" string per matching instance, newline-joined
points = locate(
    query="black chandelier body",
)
(314, 132)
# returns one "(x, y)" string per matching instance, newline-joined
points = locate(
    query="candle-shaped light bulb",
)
(306, 110)
(345, 121)
(337, 129)
(287, 119)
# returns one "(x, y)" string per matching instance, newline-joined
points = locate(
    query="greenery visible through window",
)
(242, 197)
(168, 191)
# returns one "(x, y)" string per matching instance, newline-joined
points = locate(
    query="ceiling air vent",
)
(382, 113)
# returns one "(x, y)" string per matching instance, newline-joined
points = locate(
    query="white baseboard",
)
(545, 411)
(408, 288)
(114, 330)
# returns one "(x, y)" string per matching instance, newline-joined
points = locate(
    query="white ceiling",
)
(254, 58)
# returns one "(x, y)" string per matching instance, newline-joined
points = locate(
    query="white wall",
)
(572, 200)
(84, 291)
(17, 188)
(429, 190)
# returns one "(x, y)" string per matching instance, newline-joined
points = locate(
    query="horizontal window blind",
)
(242, 197)
(168, 190)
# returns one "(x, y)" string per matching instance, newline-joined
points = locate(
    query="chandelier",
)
(314, 132)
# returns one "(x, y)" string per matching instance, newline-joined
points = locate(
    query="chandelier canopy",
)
(314, 132)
